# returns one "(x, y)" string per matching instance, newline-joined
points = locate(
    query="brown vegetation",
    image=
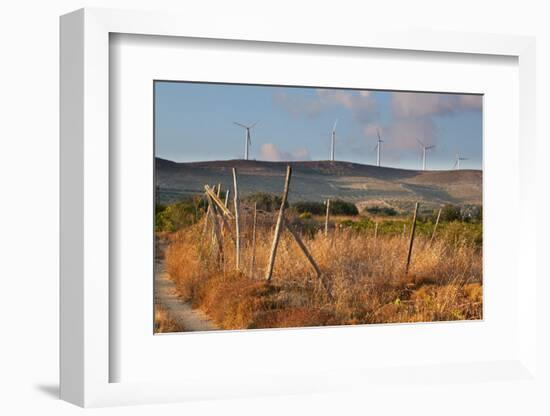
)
(365, 276)
(163, 323)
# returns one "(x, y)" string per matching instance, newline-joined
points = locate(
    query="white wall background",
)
(29, 185)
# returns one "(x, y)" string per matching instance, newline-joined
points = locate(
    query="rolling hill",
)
(318, 180)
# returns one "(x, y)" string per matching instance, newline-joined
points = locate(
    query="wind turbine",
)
(424, 148)
(247, 141)
(333, 141)
(457, 161)
(377, 147)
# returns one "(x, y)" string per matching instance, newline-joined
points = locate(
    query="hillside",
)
(318, 180)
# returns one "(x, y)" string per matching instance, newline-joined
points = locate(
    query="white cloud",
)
(270, 152)
(371, 130)
(298, 106)
(404, 133)
(411, 117)
(413, 104)
(335, 97)
(361, 104)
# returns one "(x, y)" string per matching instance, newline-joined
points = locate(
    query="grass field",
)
(364, 277)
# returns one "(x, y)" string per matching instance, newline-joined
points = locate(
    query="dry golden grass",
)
(163, 323)
(365, 275)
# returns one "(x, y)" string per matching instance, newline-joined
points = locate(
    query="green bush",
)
(339, 207)
(173, 217)
(450, 213)
(385, 211)
(265, 201)
(363, 224)
(472, 213)
(313, 208)
(457, 232)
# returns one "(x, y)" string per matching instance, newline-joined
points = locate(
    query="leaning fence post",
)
(411, 240)
(435, 226)
(216, 230)
(310, 258)
(206, 219)
(226, 198)
(280, 220)
(327, 217)
(253, 260)
(237, 229)
(211, 207)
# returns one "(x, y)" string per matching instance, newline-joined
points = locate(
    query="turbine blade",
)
(253, 125)
(378, 134)
(239, 124)
(421, 144)
(456, 163)
(430, 147)
(335, 123)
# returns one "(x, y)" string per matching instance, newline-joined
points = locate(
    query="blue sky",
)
(194, 122)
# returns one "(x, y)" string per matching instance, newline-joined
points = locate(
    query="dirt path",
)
(179, 311)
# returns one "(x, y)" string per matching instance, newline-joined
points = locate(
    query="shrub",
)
(178, 215)
(265, 201)
(472, 213)
(458, 232)
(313, 208)
(339, 207)
(450, 213)
(363, 224)
(385, 211)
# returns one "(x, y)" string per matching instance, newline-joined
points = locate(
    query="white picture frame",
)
(86, 356)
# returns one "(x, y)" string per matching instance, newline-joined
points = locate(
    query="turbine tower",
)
(377, 147)
(457, 161)
(333, 141)
(424, 148)
(247, 141)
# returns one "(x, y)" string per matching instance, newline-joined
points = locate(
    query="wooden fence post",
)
(310, 258)
(226, 198)
(435, 226)
(237, 228)
(219, 203)
(327, 217)
(375, 230)
(211, 207)
(253, 260)
(216, 230)
(280, 220)
(411, 240)
(206, 218)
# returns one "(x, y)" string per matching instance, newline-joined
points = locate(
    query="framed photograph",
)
(297, 228)
(271, 214)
